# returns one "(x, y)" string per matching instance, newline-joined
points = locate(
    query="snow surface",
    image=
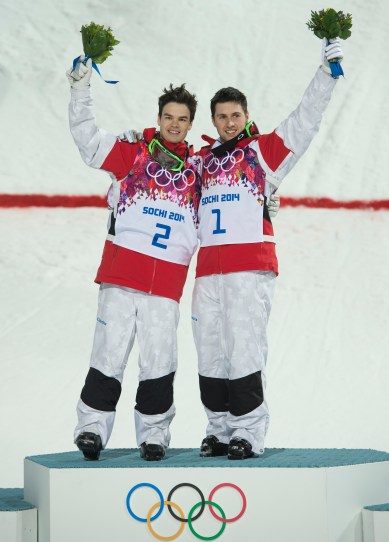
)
(327, 368)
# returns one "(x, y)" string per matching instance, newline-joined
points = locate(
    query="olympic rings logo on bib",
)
(227, 163)
(163, 177)
(158, 507)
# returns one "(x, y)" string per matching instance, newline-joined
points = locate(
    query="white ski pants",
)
(122, 314)
(230, 313)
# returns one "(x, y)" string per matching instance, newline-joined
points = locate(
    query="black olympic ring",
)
(169, 498)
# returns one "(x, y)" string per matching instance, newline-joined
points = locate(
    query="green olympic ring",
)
(219, 533)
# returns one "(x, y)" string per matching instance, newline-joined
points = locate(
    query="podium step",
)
(376, 523)
(287, 494)
(18, 518)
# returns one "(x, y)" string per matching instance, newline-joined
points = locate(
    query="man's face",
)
(174, 122)
(229, 119)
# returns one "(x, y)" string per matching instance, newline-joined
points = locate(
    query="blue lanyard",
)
(94, 66)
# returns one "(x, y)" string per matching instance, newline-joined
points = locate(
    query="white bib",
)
(160, 229)
(230, 215)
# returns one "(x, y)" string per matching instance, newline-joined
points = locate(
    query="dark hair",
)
(228, 94)
(179, 95)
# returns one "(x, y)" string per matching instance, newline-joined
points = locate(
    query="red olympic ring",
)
(238, 516)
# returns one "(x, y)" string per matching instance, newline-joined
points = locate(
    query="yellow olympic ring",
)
(158, 536)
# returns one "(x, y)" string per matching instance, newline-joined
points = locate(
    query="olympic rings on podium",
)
(181, 518)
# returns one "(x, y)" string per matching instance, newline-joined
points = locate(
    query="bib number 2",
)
(167, 229)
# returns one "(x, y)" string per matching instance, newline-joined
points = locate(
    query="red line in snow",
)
(44, 200)
(327, 203)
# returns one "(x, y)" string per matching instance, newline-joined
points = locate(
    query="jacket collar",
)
(241, 140)
(182, 149)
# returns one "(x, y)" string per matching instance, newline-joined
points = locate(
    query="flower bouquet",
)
(330, 24)
(98, 42)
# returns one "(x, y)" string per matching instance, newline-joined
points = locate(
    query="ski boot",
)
(90, 445)
(212, 447)
(239, 448)
(152, 452)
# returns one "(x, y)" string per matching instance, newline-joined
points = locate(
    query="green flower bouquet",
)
(331, 24)
(98, 42)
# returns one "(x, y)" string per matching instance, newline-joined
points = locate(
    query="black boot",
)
(152, 452)
(212, 447)
(239, 448)
(90, 445)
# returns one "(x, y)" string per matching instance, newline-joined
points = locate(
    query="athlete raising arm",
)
(152, 237)
(237, 264)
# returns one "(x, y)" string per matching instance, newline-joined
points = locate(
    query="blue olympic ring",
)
(144, 484)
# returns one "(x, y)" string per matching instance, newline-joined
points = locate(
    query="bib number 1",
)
(218, 229)
(167, 229)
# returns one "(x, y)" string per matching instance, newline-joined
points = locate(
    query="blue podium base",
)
(190, 457)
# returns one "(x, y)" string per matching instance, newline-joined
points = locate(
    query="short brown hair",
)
(228, 94)
(179, 95)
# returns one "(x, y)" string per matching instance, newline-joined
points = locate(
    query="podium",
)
(376, 523)
(294, 495)
(18, 518)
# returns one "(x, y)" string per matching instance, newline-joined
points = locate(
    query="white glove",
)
(330, 50)
(274, 205)
(132, 136)
(80, 76)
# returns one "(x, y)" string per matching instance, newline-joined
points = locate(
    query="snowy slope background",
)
(327, 368)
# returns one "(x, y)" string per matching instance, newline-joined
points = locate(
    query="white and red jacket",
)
(235, 232)
(155, 209)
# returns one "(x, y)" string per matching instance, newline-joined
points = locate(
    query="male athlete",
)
(152, 237)
(237, 263)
